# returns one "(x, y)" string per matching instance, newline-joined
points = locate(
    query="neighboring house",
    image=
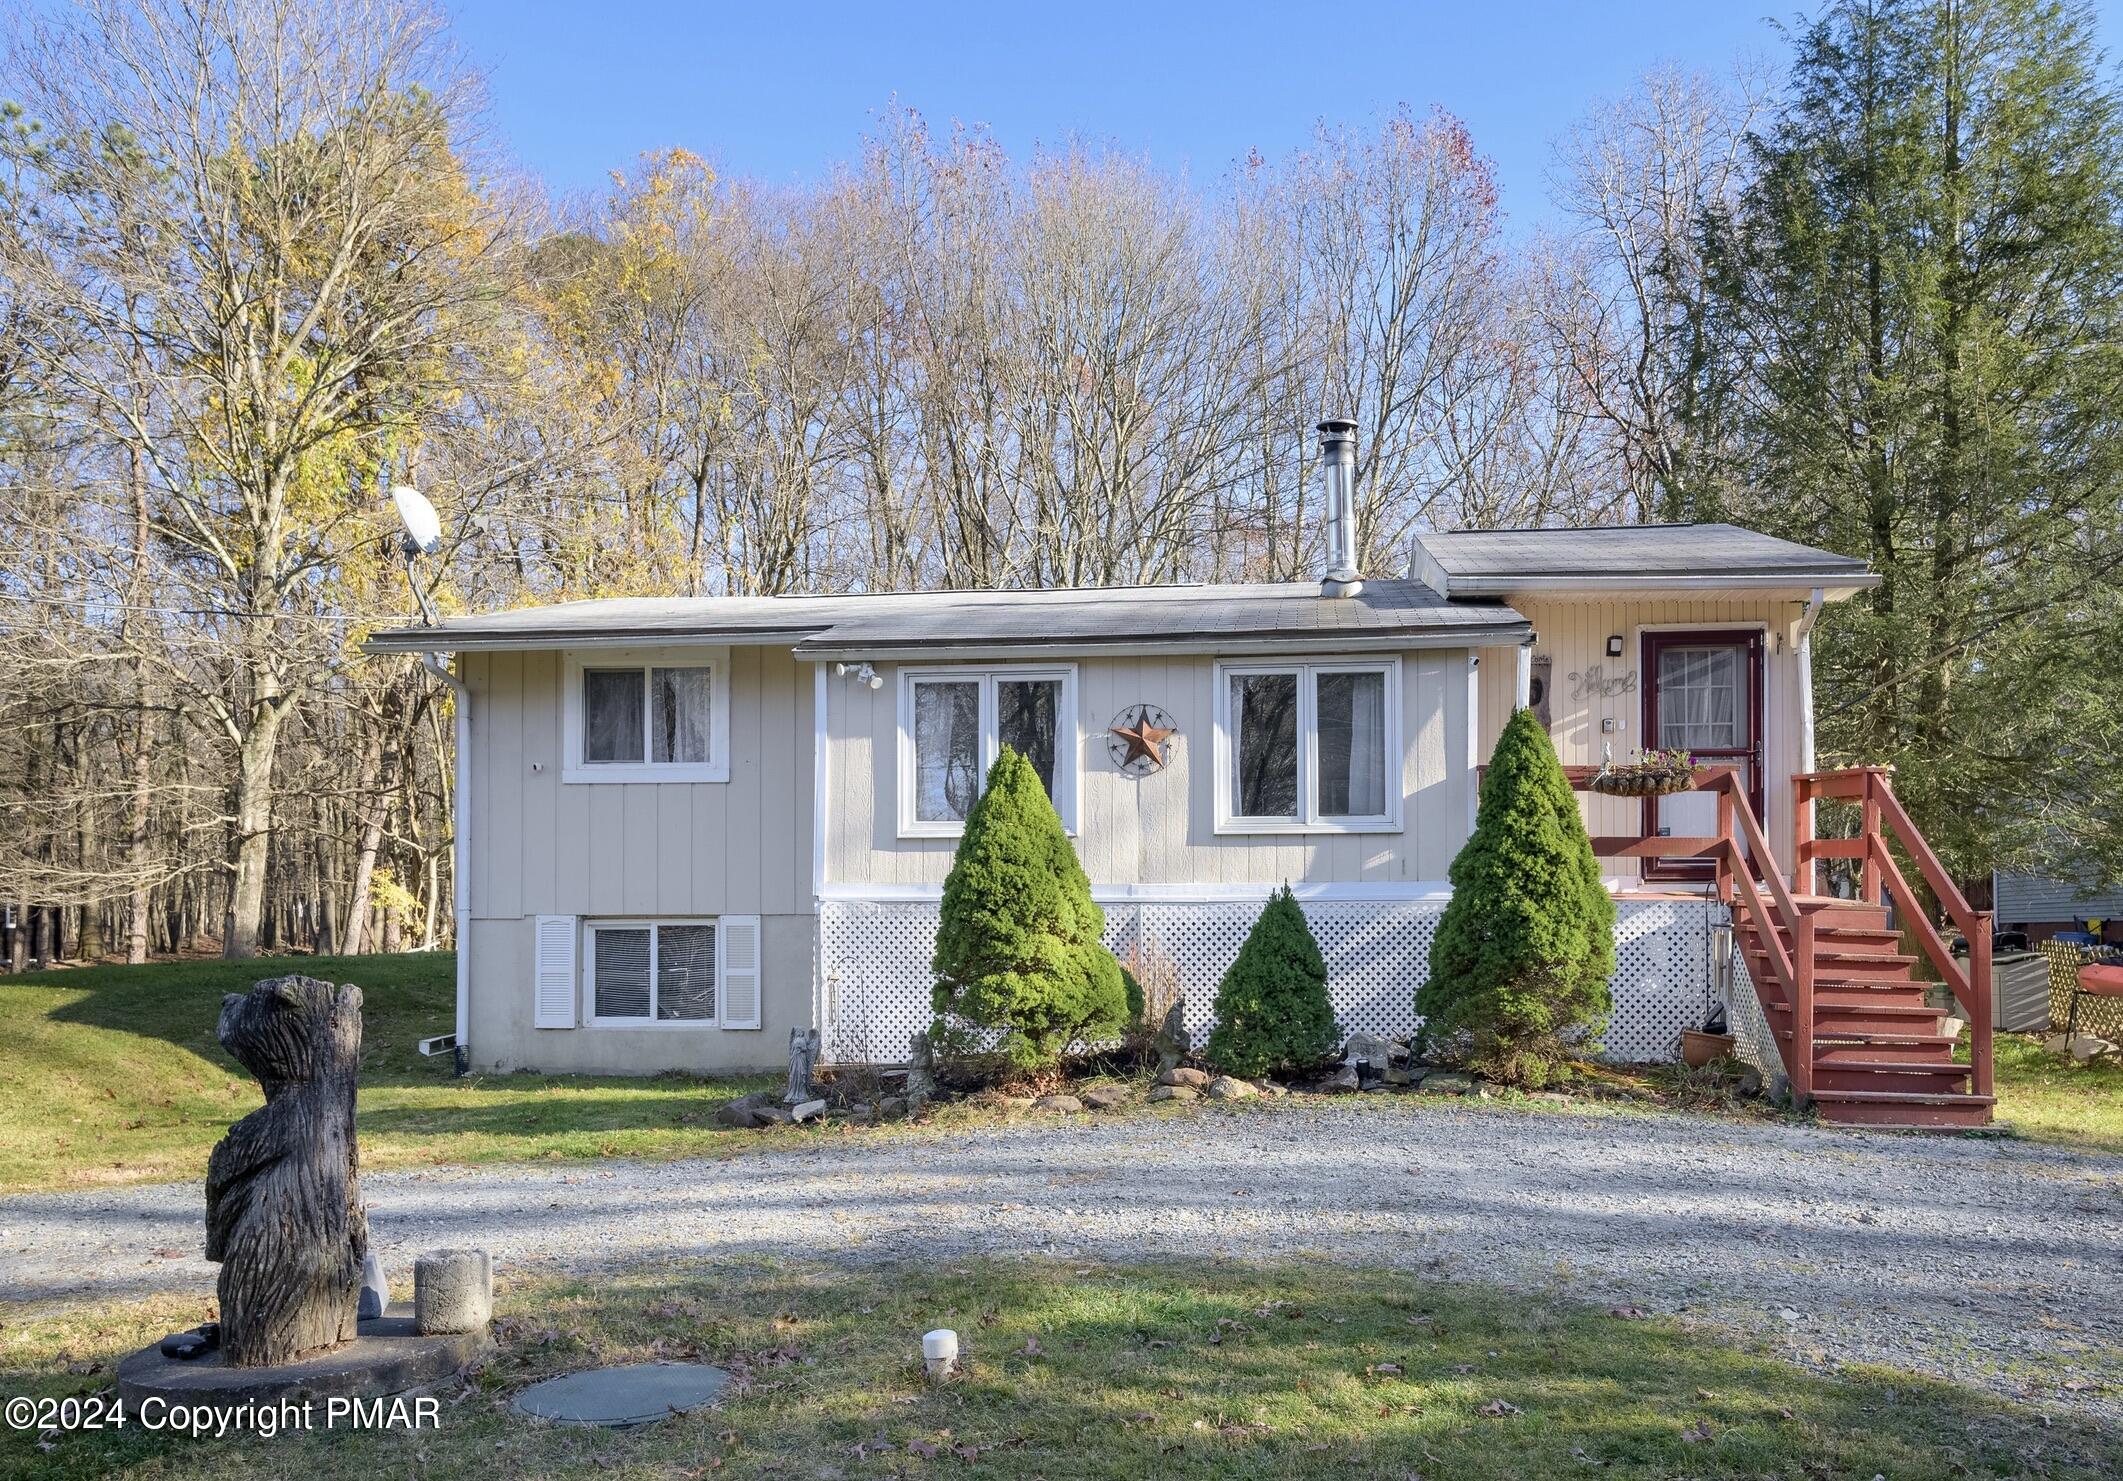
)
(689, 825)
(2043, 907)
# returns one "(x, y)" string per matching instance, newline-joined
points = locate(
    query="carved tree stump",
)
(283, 1199)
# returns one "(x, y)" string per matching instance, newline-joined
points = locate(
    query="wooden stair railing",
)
(1882, 812)
(1852, 1027)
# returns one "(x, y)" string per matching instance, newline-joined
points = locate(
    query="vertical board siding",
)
(1158, 829)
(1573, 633)
(544, 847)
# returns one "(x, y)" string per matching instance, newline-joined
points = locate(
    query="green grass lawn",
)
(114, 1076)
(1079, 1370)
(2049, 1099)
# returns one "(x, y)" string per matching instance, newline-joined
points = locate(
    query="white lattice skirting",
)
(874, 966)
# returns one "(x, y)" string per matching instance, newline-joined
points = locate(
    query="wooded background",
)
(259, 260)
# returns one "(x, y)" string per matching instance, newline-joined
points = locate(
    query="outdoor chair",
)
(2095, 980)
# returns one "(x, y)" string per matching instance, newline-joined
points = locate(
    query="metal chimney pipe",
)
(1338, 459)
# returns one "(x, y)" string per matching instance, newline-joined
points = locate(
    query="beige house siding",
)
(541, 846)
(1573, 632)
(1159, 830)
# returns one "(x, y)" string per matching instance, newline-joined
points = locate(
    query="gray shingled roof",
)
(1474, 563)
(1288, 616)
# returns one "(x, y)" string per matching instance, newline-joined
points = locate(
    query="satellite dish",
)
(423, 527)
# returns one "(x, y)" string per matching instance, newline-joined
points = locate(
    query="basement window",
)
(1308, 747)
(648, 715)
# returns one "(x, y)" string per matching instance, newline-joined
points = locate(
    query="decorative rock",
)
(1184, 1075)
(1750, 1082)
(453, 1291)
(1224, 1087)
(375, 1290)
(1062, 1104)
(1446, 1083)
(1173, 1042)
(742, 1112)
(1343, 1081)
(1375, 1049)
(808, 1109)
(771, 1116)
(2085, 1048)
(1174, 1092)
(387, 1357)
(1396, 1077)
(1106, 1097)
(890, 1106)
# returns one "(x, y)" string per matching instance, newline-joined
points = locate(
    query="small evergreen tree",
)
(1272, 1011)
(1018, 947)
(1524, 951)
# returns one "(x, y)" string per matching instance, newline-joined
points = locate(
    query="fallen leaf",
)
(1498, 1409)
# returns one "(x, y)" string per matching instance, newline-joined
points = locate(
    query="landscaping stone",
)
(1375, 1049)
(453, 1291)
(1174, 1092)
(1343, 1081)
(1448, 1083)
(1106, 1097)
(614, 1398)
(1224, 1087)
(387, 1356)
(771, 1116)
(1184, 1075)
(2085, 1048)
(1270, 1088)
(1061, 1104)
(1397, 1077)
(742, 1112)
(891, 1106)
(807, 1110)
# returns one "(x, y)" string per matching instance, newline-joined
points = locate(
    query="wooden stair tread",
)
(1912, 1097)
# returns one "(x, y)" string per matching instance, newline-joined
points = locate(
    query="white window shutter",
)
(553, 996)
(737, 962)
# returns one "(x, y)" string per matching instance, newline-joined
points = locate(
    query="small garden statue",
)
(803, 1059)
(921, 1068)
(1173, 1042)
(283, 1201)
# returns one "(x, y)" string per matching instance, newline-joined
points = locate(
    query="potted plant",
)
(1647, 774)
(1713, 1041)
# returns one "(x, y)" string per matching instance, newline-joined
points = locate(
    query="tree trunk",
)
(254, 830)
(375, 796)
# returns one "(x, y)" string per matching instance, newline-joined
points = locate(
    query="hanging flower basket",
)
(1652, 774)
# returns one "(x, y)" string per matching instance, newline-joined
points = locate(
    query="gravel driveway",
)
(1994, 1262)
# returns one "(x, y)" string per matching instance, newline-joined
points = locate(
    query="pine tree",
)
(1018, 946)
(1523, 953)
(1272, 1011)
(1919, 306)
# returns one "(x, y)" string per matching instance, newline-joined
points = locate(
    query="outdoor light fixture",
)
(423, 536)
(1614, 646)
(861, 673)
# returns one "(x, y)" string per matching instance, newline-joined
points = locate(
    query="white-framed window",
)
(1312, 747)
(647, 715)
(953, 721)
(695, 973)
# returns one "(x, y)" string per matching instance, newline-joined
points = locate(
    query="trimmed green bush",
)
(1272, 1011)
(1519, 969)
(1018, 946)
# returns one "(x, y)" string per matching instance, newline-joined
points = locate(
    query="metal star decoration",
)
(1145, 740)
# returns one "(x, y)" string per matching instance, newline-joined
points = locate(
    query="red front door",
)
(1703, 695)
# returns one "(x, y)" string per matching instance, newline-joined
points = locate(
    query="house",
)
(690, 825)
(2041, 908)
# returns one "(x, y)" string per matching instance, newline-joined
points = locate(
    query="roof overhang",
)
(1214, 645)
(533, 639)
(1835, 586)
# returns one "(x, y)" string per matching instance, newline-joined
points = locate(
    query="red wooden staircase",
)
(1852, 1016)
(1859, 1037)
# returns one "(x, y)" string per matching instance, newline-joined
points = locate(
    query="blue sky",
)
(779, 92)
